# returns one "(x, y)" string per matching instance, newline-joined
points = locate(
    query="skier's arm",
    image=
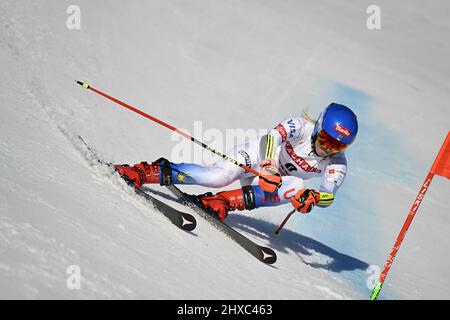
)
(333, 179)
(287, 130)
(270, 177)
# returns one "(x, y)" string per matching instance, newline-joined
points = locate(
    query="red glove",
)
(269, 176)
(305, 200)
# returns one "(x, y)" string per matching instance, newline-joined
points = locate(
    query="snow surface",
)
(230, 64)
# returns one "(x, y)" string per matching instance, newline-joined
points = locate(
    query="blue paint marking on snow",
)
(352, 226)
(355, 213)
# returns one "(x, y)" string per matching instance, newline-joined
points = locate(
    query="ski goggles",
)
(329, 143)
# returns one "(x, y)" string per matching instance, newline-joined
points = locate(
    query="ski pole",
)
(277, 232)
(123, 104)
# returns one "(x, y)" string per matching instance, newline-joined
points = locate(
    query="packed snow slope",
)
(230, 65)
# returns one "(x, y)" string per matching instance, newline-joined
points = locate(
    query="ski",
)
(263, 254)
(182, 220)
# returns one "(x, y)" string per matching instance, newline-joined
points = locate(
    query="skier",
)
(297, 149)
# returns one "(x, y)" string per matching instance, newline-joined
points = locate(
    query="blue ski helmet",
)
(339, 122)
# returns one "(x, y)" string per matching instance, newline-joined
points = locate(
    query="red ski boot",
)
(140, 173)
(159, 171)
(223, 202)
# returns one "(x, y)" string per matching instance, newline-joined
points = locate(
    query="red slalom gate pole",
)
(441, 167)
(401, 236)
(145, 115)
